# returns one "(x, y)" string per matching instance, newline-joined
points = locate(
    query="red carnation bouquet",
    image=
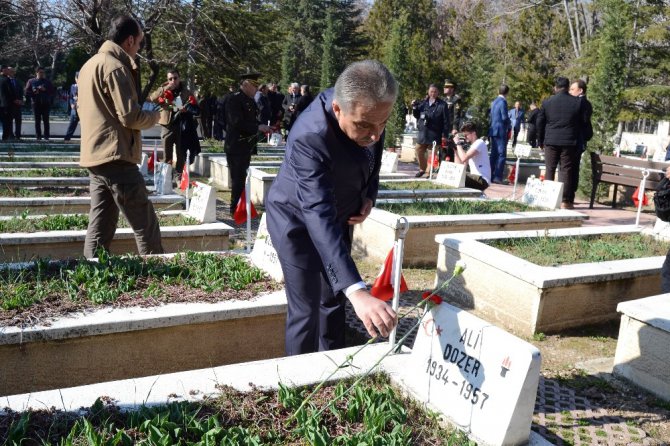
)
(166, 100)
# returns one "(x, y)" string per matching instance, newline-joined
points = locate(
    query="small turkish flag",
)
(512, 175)
(240, 215)
(150, 163)
(636, 199)
(183, 184)
(383, 286)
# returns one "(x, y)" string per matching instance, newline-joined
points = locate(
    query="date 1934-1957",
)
(467, 390)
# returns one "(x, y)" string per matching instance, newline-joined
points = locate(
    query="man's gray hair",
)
(366, 82)
(295, 85)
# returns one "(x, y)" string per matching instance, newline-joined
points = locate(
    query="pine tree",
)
(289, 61)
(329, 57)
(395, 58)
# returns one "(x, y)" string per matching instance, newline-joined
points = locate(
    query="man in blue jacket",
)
(498, 134)
(327, 183)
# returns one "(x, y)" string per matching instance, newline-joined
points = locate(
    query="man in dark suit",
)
(578, 89)
(242, 129)
(559, 124)
(432, 117)
(7, 98)
(327, 183)
(498, 135)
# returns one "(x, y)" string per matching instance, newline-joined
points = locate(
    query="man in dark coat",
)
(498, 135)
(328, 183)
(531, 125)
(559, 124)
(432, 116)
(290, 105)
(41, 92)
(242, 128)
(276, 99)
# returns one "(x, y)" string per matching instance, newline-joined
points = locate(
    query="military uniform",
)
(241, 138)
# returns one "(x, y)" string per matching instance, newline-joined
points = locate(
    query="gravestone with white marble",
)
(451, 174)
(275, 139)
(389, 162)
(481, 377)
(144, 165)
(542, 193)
(163, 179)
(263, 254)
(203, 203)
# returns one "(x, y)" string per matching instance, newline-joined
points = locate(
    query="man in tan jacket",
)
(111, 144)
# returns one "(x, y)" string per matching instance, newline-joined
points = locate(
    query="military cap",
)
(448, 83)
(250, 75)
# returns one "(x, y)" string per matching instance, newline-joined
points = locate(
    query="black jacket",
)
(7, 93)
(241, 124)
(290, 111)
(433, 121)
(560, 120)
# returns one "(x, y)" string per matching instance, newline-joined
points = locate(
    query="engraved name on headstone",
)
(481, 377)
(263, 254)
(451, 174)
(544, 194)
(163, 179)
(389, 162)
(203, 203)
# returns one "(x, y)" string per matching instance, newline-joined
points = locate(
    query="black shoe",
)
(419, 174)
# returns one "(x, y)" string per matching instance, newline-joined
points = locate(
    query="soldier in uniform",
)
(454, 108)
(242, 127)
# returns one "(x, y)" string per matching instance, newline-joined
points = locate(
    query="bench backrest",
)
(626, 171)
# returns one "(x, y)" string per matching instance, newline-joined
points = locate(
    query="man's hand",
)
(377, 316)
(365, 211)
(264, 128)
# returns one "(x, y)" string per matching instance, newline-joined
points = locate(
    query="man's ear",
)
(336, 108)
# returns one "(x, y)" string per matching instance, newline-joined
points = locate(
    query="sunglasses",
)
(173, 78)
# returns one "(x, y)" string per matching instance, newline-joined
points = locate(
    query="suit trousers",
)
(16, 117)
(72, 126)
(315, 319)
(498, 156)
(237, 169)
(41, 113)
(120, 186)
(6, 116)
(170, 136)
(422, 157)
(569, 158)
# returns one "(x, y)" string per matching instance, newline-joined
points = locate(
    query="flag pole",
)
(432, 160)
(516, 177)
(155, 169)
(640, 197)
(403, 226)
(185, 170)
(247, 198)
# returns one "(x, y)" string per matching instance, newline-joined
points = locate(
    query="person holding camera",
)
(41, 92)
(472, 150)
(432, 116)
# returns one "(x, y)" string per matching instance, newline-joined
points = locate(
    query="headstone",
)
(389, 162)
(544, 194)
(144, 165)
(203, 203)
(522, 151)
(163, 179)
(275, 139)
(478, 375)
(263, 254)
(451, 174)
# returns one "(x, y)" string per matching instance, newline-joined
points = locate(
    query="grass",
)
(554, 251)
(412, 185)
(373, 414)
(104, 281)
(455, 207)
(35, 159)
(8, 190)
(67, 222)
(59, 172)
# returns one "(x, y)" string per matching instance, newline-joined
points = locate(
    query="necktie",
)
(370, 154)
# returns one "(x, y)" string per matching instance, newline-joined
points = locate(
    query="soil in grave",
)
(374, 412)
(555, 251)
(455, 207)
(412, 185)
(45, 290)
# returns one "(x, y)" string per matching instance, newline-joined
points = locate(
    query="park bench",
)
(621, 171)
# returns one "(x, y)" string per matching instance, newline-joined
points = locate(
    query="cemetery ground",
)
(579, 402)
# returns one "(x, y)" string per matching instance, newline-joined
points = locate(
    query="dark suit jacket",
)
(241, 124)
(7, 93)
(322, 182)
(500, 123)
(435, 122)
(560, 120)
